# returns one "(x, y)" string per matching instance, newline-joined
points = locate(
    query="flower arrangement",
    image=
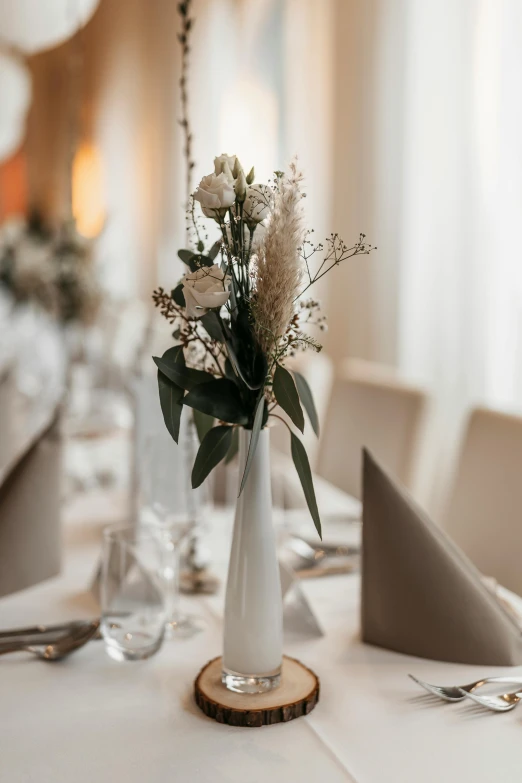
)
(239, 313)
(54, 270)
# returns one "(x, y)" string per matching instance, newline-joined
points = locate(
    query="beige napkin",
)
(420, 594)
(30, 539)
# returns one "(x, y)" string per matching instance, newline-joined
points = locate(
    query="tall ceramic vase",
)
(253, 633)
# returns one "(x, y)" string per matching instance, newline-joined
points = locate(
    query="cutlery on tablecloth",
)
(459, 693)
(58, 649)
(308, 561)
(502, 703)
(312, 552)
(38, 630)
(327, 570)
(43, 634)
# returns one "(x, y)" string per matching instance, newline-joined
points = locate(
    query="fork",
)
(59, 649)
(503, 703)
(455, 693)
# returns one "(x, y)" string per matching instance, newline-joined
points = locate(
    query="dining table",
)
(91, 719)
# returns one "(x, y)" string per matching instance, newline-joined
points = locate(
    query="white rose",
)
(205, 289)
(216, 194)
(257, 203)
(224, 160)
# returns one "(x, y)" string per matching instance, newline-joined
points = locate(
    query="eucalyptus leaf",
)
(253, 386)
(203, 423)
(186, 256)
(302, 466)
(214, 250)
(178, 295)
(306, 397)
(182, 376)
(174, 354)
(213, 449)
(213, 326)
(234, 446)
(170, 396)
(229, 371)
(254, 438)
(287, 397)
(219, 398)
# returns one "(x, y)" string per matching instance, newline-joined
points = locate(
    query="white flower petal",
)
(213, 299)
(191, 304)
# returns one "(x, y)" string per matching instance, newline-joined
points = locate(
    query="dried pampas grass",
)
(279, 268)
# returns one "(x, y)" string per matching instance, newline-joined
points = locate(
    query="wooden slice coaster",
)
(296, 696)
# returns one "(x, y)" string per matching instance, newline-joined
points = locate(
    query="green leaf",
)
(178, 296)
(234, 446)
(171, 406)
(203, 423)
(212, 325)
(219, 398)
(229, 371)
(186, 256)
(182, 376)
(306, 397)
(254, 438)
(174, 354)
(252, 385)
(213, 449)
(302, 466)
(214, 250)
(170, 393)
(287, 396)
(201, 260)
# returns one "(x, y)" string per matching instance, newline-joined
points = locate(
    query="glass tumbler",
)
(169, 503)
(133, 592)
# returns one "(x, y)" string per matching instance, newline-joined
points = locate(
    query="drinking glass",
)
(133, 592)
(168, 502)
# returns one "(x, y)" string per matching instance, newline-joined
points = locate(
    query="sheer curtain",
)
(460, 278)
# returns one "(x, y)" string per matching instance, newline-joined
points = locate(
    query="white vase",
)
(253, 633)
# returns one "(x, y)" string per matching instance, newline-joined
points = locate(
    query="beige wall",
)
(127, 86)
(343, 91)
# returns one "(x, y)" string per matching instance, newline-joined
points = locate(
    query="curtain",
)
(460, 280)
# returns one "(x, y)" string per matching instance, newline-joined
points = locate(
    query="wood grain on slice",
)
(296, 696)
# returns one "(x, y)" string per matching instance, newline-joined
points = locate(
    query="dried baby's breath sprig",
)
(335, 251)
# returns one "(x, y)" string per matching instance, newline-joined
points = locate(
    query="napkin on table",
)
(30, 535)
(420, 594)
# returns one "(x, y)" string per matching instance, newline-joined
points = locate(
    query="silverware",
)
(58, 630)
(59, 649)
(456, 693)
(312, 556)
(327, 570)
(329, 550)
(502, 703)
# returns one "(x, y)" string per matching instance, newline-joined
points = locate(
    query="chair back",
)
(318, 371)
(370, 407)
(484, 511)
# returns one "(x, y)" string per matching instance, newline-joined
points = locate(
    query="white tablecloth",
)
(90, 719)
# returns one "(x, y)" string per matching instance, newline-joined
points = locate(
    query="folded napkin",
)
(420, 594)
(30, 539)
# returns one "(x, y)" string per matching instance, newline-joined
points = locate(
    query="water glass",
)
(133, 592)
(168, 502)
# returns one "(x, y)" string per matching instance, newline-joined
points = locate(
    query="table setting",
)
(333, 641)
(182, 600)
